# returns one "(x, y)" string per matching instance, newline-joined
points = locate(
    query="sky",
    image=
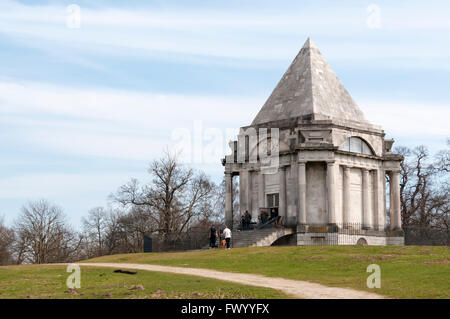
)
(92, 91)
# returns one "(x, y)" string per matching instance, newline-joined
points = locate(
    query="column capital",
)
(301, 162)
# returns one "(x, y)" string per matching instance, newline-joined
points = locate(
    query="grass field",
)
(36, 281)
(406, 272)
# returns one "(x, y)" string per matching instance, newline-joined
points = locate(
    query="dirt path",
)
(295, 288)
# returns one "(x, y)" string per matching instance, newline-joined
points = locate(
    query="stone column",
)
(282, 193)
(394, 205)
(376, 199)
(346, 197)
(301, 219)
(248, 191)
(367, 216)
(229, 200)
(261, 191)
(242, 198)
(384, 199)
(331, 185)
(391, 209)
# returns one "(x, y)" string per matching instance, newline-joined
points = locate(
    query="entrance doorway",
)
(272, 204)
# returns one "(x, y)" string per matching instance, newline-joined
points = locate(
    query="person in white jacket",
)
(227, 235)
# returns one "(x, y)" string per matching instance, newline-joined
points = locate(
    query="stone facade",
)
(313, 155)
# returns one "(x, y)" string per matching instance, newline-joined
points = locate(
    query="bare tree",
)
(176, 197)
(94, 230)
(424, 190)
(414, 185)
(6, 241)
(43, 235)
(220, 201)
(442, 162)
(441, 200)
(131, 229)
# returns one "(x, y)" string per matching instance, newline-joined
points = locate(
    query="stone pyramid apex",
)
(310, 89)
(309, 44)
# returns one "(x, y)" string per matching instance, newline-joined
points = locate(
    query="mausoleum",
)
(312, 160)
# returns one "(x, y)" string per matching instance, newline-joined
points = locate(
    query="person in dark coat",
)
(263, 216)
(212, 236)
(248, 219)
(243, 221)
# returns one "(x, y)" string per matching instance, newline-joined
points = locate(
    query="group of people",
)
(265, 216)
(224, 237)
(246, 220)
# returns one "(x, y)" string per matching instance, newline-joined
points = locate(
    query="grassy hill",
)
(406, 272)
(47, 281)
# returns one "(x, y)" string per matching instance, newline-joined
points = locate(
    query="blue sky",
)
(82, 110)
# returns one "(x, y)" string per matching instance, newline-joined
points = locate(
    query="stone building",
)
(312, 156)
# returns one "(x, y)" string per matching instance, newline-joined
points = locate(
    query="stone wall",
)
(316, 191)
(307, 239)
(356, 200)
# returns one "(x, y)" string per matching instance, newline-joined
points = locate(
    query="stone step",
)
(252, 237)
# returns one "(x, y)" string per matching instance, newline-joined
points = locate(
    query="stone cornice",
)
(299, 124)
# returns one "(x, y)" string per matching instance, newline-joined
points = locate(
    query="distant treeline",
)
(177, 200)
(180, 201)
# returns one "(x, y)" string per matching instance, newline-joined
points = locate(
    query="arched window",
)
(356, 145)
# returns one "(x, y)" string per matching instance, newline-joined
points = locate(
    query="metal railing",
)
(180, 241)
(316, 234)
(344, 234)
(426, 235)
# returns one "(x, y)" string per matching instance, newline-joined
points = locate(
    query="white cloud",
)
(159, 110)
(137, 126)
(401, 119)
(232, 34)
(59, 185)
(112, 123)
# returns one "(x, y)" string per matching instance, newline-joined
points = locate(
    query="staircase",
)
(258, 237)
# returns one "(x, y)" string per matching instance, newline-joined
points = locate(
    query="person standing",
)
(227, 235)
(273, 214)
(263, 216)
(212, 236)
(243, 221)
(248, 219)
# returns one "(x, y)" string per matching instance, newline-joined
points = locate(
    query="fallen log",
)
(129, 272)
